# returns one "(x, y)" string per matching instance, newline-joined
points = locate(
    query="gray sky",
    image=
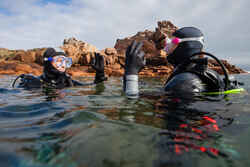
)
(27, 24)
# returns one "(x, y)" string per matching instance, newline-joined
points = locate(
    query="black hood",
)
(50, 73)
(48, 69)
(185, 49)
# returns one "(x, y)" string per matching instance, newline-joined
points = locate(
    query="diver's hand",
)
(98, 65)
(135, 60)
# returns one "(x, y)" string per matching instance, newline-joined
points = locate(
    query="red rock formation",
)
(17, 68)
(80, 52)
(232, 69)
(19, 61)
(154, 56)
(79, 71)
(156, 59)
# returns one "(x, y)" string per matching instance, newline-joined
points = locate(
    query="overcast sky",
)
(26, 24)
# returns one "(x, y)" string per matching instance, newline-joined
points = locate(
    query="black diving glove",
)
(98, 65)
(134, 62)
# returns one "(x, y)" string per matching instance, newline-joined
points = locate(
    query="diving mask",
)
(172, 43)
(60, 61)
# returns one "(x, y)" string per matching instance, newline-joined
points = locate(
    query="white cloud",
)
(101, 22)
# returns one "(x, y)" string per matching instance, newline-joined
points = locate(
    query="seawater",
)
(99, 126)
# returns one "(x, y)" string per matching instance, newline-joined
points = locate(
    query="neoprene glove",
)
(98, 65)
(134, 61)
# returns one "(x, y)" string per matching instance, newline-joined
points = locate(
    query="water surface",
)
(99, 126)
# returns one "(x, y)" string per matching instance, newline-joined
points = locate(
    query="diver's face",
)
(59, 64)
(171, 45)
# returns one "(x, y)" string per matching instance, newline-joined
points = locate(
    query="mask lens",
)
(60, 61)
(169, 45)
(68, 62)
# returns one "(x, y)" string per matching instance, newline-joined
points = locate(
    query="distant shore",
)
(16, 62)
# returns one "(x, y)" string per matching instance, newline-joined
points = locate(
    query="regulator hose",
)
(227, 81)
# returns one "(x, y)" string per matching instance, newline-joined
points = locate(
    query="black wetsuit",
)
(194, 77)
(53, 78)
(191, 73)
(32, 82)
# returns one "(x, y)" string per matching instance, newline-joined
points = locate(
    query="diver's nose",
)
(63, 64)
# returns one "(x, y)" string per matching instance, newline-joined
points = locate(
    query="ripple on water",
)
(99, 126)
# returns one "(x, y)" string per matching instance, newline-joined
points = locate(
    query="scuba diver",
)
(186, 125)
(191, 73)
(54, 72)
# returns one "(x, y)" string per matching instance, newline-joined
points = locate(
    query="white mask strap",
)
(200, 39)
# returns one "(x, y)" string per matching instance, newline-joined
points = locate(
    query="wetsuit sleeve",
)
(134, 62)
(130, 86)
(30, 82)
(185, 83)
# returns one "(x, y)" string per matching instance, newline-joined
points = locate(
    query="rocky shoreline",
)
(16, 62)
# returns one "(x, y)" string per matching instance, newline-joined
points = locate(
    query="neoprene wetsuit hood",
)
(185, 49)
(49, 71)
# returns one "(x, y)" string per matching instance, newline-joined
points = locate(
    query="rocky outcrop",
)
(18, 68)
(232, 69)
(29, 56)
(154, 56)
(30, 61)
(156, 59)
(5, 53)
(80, 52)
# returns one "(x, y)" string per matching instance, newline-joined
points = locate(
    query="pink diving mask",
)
(172, 42)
